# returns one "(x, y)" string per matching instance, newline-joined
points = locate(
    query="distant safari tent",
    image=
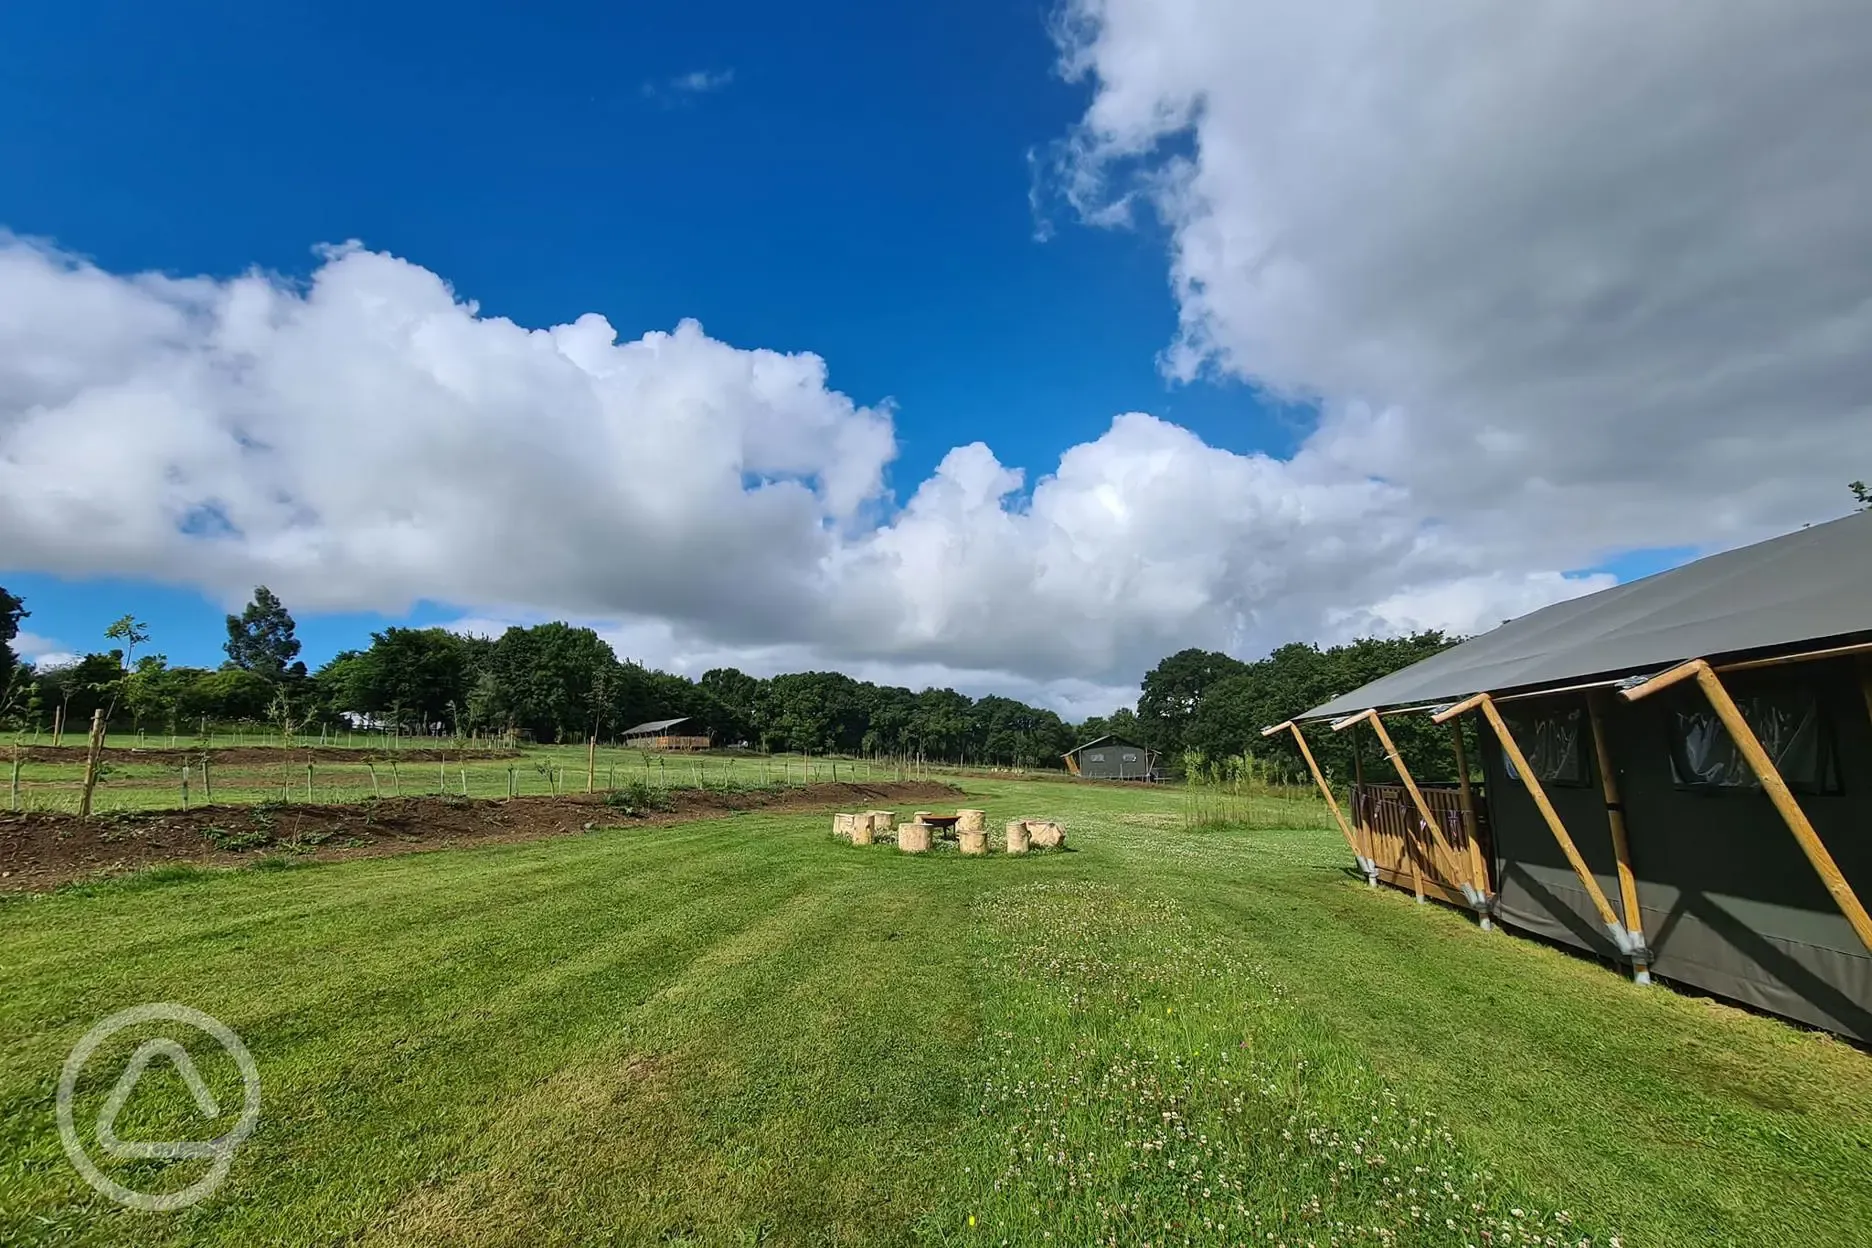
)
(1112, 757)
(1675, 774)
(660, 734)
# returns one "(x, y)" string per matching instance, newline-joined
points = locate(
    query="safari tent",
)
(666, 734)
(1675, 774)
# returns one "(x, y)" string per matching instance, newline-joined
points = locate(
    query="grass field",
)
(745, 1032)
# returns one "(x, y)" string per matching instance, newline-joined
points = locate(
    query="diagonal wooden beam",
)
(1365, 864)
(1621, 845)
(1772, 784)
(1616, 929)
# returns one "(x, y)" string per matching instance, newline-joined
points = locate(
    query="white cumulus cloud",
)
(1573, 278)
(365, 437)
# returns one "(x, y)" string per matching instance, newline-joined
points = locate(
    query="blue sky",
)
(1517, 377)
(858, 187)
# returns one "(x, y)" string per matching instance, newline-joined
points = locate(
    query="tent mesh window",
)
(1786, 721)
(1551, 741)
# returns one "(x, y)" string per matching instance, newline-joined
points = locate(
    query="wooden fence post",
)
(13, 791)
(94, 749)
(591, 763)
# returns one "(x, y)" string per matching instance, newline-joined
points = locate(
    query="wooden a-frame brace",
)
(1615, 928)
(1772, 784)
(1364, 859)
(1475, 891)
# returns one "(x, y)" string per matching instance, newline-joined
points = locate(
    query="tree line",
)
(559, 683)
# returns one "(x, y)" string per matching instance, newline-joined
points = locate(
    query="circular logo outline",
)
(220, 1149)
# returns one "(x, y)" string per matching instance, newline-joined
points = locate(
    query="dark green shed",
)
(1112, 758)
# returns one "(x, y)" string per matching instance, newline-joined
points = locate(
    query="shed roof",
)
(1809, 585)
(655, 726)
(1110, 736)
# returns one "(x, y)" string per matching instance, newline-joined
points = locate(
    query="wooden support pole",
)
(13, 792)
(1477, 867)
(591, 762)
(1772, 784)
(1325, 791)
(93, 749)
(207, 785)
(1358, 815)
(1621, 845)
(1614, 928)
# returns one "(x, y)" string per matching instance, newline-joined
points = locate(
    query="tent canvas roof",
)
(654, 726)
(1806, 586)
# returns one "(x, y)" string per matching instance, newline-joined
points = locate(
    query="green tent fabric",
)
(1808, 586)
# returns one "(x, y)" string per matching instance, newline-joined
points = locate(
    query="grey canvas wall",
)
(1730, 904)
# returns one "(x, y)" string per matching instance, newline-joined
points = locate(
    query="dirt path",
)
(41, 850)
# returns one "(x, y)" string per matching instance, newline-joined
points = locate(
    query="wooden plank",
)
(1621, 845)
(1777, 790)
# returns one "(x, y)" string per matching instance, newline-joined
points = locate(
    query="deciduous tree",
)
(262, 638)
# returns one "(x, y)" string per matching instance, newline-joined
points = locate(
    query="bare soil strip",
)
(40, 850)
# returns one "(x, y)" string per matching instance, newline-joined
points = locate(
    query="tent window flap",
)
(1551, 741)
(1786, 721)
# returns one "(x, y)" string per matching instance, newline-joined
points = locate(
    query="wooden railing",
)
(1389, 826)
